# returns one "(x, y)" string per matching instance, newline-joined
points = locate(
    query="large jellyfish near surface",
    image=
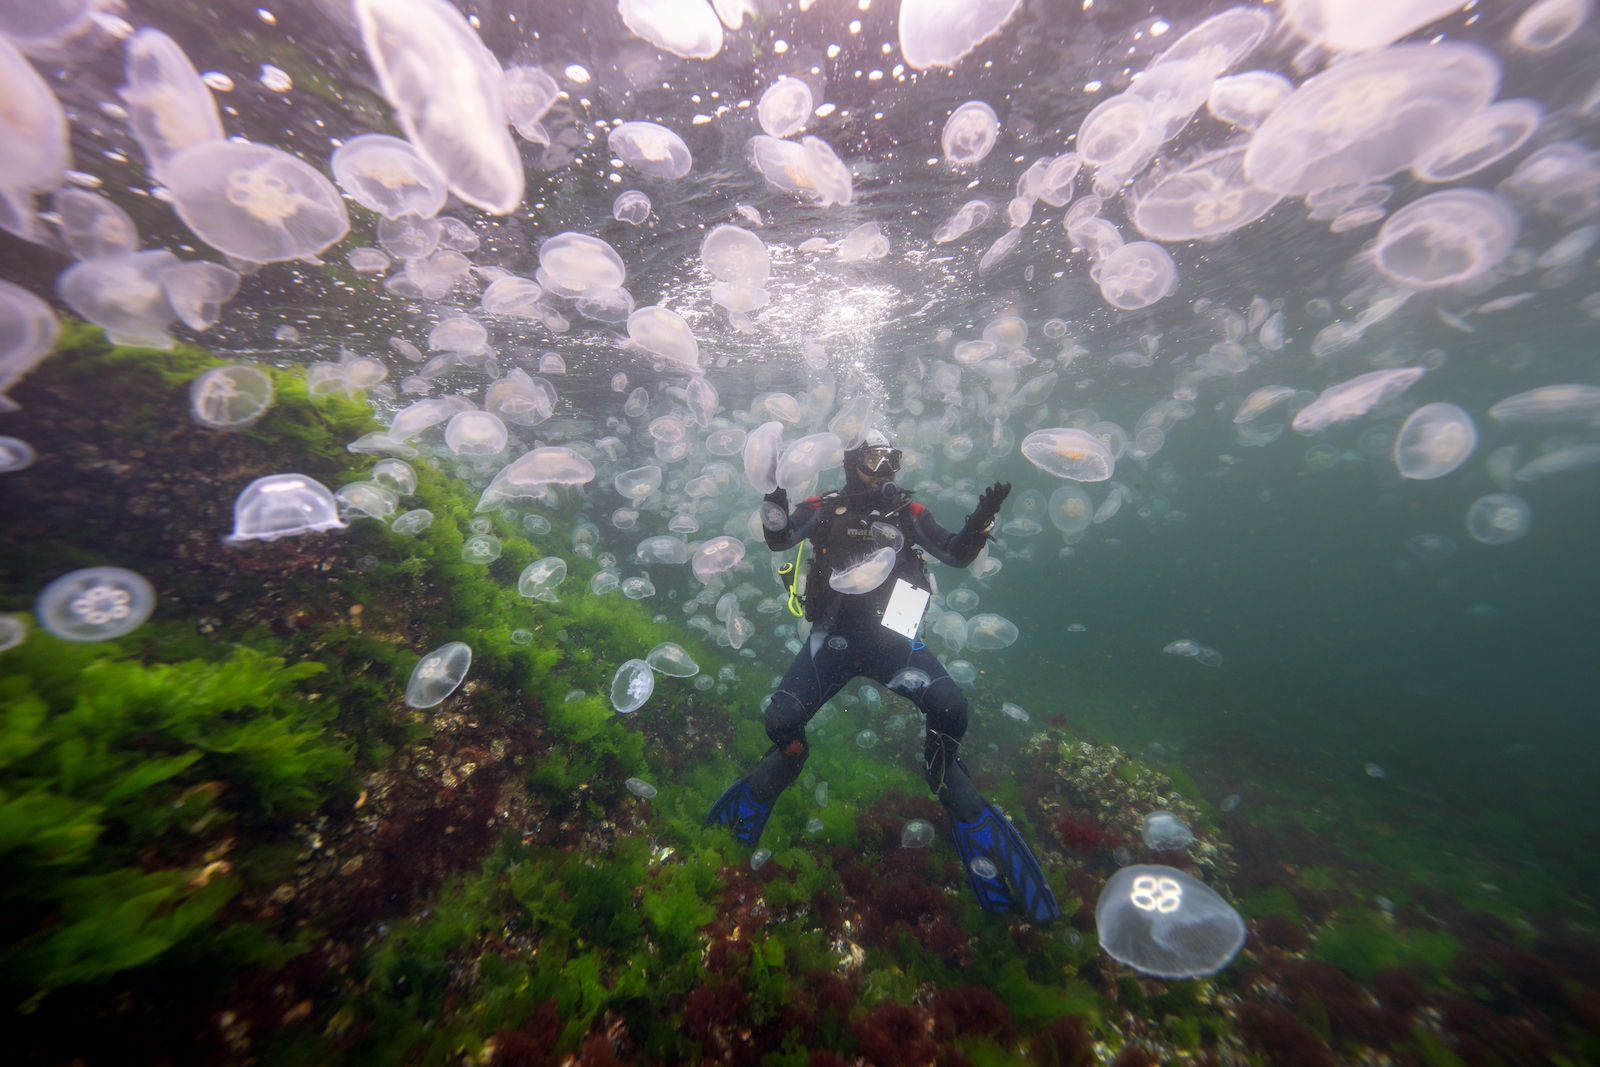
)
(437, 674)
(687, 28)
(255, 202)
(1434, 441)
(1069, 453)
(389, 176)
(785, 106)
(1165, 923)
(651, 148)
(1446, 238)
(939, 33)
(734, 254)
(95, 604)
(283, 505)
(169, 107)
(445, 87)
(1499, 518)
(631, 686)
(1371, 116)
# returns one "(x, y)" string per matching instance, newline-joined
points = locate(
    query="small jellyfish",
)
(917, 833)
(481, 549)
(529, 94)
(863, 243)
(983, 867)
(540, 578)
(231, 397)
(412, 522)
(1164, 831)
(638, 588)
(367, 498)
(1163, 922)
(632, 207)
(1230, 803)
(1209, 657)
(1499, 518)
(536, 524)
(672, 660)
(785, 106)
(961, 600)
(866, 575)
(1445, 238)
(1354, 398)
(438, 674)
(963, 672)
(989, 631)
(866, 739)
(387, 175)
(283, 505)
(814, 825)
(123, 295)
(1137, 275)
(1431, 546)
(631, 686)
(821, 794)
(838, 643)
(716, 557)
(1550, 403)
(1014, 711)
(759, 858)
(1076, 628)
(95, 604)
(651, 149)
(1375, 771)
(1434, 441)
(909, 680)
(1548, 23)
(1183, 648)
(521, 637)
(640, 788)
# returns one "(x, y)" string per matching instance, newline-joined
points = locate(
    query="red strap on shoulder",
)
(916, 510)
(813, 500)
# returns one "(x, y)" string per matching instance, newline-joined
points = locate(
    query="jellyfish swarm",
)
(785, 106)
(94, 604)
(631, 686)
(230, 398)
(1434, 441)
(1069, 453)
(283, 505)
(438, 674)
(1165, 923)
(255, 202)
(1499, 518)
(446, 90)
(387, 175)
(970, 133)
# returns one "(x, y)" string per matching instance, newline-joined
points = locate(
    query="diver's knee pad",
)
(946, 707)
(785, 719)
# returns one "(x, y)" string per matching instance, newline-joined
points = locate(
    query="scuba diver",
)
(873, 633)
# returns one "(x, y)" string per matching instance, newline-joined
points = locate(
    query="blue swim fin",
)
(1017, 882)
(739, 810)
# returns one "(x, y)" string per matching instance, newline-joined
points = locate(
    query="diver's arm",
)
(960, 548)
(802, 522)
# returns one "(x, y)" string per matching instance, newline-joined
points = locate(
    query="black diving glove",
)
(780, 497)
(982, 518)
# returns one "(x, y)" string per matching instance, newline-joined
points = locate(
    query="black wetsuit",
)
(848, 640)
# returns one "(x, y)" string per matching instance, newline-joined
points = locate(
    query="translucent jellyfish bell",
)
(256, 202)
(909, 680)
(963, 672)
(1069, 453)
(28, 332)
(970, 133)
(169, 107)
(641, 788)
(917, 833)
(1164, 831)
(1434, 441)
(283, 505)
(1207, 198)
(1354, 398)
(578, 263)
(664, 334)
(1446, 238)
(1245, 100)
(687, 28)
(230, 398)
(631, 686)
(95, 604)
(990, 631)
(1071, 510)
(638, 484)
(933, 34)
(1183, 648)
(717, 557)
(1137, 275)
(1165, 923)
(672, 660)
(92, 225)
(632, 207)
(123, 295)
(387, 175)
(15, 454)
(785, 106)
(540, 578)
(1499, 518)
(475, 433)
(534, 473)
(865, 576)
(529, 93)
(651, 149)
(438, 674)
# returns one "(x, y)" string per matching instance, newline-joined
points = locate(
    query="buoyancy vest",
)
(843, 538)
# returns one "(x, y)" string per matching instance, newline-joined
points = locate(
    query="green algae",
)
(1361, 942)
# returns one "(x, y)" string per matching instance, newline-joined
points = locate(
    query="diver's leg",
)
(816, 674)
(1000, 868)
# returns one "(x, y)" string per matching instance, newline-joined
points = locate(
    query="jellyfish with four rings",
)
(865, 592)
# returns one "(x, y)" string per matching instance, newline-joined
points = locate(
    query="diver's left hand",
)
(989, 506)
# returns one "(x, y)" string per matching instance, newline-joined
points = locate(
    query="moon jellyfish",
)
(969, 216)
(445, 87)
(169, 106)
(641, 788)
(909, 680)
(13, 631)
(1375, 771)
(1354, 398)
(92, 226)
(888, 536)
(1163, 831)
(1434, 441)
(1562, 459)
(664, 334)
(917, 833)
(529, 93)
(576, 263)
(638, 484)
(438, 674)
(1499, 518)
(534, 473)
(715, 558)
(1165, 923)
(1431, 546)
(123, 295)
(196, 291)
(687, 28)
(804, 459)
(1113, 504)
(963, 672)
(952, 628)
(15, 454)
(1548, 23)
(1550, 403)
(1014, 712)
(1137, 275)
(1245, 100)
(230, 398)
(970, 133)
(1370, 116)
(866, 739)
(632, 207)
(1485, 138)
(785, 106)
(283, 505)
(1209, 657)
(412, 523)
(936, 33)
(1183, 648)
(631, 686)
(1071, 510)
(734, 254)
(989, 631)
(28, 332)
(539, 579)
(256, 202)
(863, 243)
(662, 549)
(866, 575)
(1445, 238)
(651, 149)
(95, 604)
(672, 660)
(1207, 198)
(762, 450)
(1069, 453)
(387, 175)
(482, 549)
(475, 433)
